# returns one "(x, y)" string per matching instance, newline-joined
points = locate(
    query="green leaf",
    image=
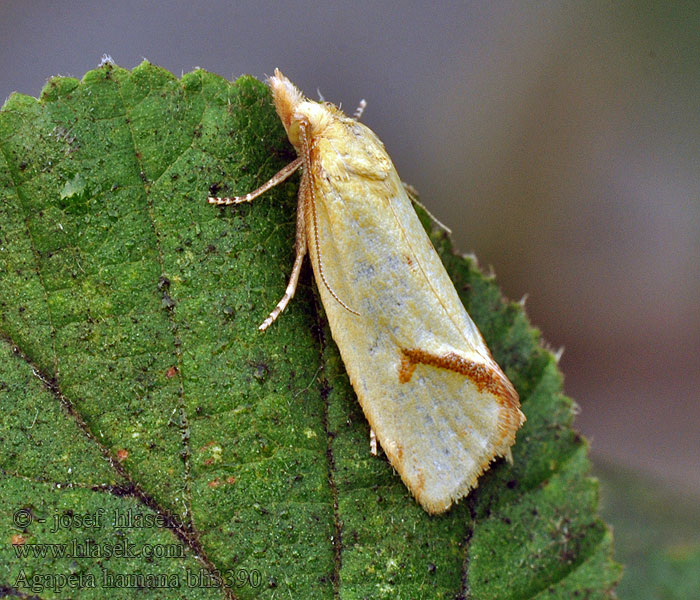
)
(134, 382)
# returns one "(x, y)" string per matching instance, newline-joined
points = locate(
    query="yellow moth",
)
(438, 403)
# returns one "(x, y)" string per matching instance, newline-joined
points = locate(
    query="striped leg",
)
(279, 177)
(300, 246)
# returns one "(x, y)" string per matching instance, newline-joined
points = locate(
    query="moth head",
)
(296, 111)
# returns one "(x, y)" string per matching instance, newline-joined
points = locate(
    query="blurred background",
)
(559, 140)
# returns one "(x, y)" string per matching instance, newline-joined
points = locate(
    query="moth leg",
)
(277, 178)
(372, 442)
(300, 247)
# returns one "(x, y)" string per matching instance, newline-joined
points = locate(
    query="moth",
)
(438, 403)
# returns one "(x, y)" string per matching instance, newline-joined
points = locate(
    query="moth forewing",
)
(439, 405)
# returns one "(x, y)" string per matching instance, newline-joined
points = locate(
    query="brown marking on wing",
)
(406, 368)
(486, 378)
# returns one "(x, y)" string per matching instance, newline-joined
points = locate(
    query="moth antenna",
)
(357, 115)
(320, 265)
(307, 168)
(413, 193)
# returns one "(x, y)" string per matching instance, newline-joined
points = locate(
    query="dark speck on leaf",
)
(168, 302)
(261, 371)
